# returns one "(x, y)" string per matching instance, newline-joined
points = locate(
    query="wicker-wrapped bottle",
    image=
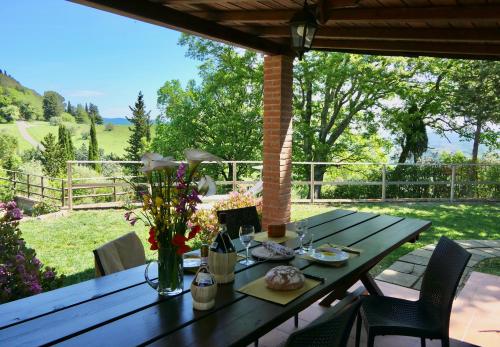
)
(222, 254)
(204, 285)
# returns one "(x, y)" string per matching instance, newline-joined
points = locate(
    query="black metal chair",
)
(332, 329)
(237, 217)
(429, 316)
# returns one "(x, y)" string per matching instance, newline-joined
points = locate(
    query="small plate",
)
(263, 253)
(333, 256)
(191, 262)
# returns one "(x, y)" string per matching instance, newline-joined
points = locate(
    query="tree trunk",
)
(319, 173)
(405, 151)
(475, 154)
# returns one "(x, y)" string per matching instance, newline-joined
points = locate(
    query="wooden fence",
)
(71, 191)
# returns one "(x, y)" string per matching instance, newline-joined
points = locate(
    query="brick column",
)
(278, 79)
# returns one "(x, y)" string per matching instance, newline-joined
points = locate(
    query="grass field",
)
(114, 141)
(12, 129)
(67, 242)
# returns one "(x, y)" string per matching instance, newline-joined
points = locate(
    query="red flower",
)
(152, 239)
(194, 230)
(183, 249)
(179, 240)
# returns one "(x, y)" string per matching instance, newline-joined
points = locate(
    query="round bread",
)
(284, 278)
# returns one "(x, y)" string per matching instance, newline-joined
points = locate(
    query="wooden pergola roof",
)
(444, 28)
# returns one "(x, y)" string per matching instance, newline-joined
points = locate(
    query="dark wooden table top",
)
(121, 309)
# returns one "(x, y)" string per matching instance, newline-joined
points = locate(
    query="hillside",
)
(18, 93)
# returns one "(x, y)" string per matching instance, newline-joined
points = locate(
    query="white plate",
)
(336, 256)
(191, 263)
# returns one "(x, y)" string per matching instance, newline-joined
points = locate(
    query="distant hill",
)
(117, 121)
(18, 93)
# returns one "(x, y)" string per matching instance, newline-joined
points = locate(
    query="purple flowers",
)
(21, 271)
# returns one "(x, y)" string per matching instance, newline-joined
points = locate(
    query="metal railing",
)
(383, 181)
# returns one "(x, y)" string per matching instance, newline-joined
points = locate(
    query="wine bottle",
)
(222, 254)
(204, 286)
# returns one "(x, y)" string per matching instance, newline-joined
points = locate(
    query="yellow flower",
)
(158, 201)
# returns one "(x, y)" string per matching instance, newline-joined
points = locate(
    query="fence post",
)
(312, 183)
(452, 184)
(114, 189)
(14, 183)
(42, 186)
(234, 176)
(70, 186)
(28, 184)
(62, 193)
(384, 181)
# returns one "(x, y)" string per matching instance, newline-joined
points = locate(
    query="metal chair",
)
(332, 329)
(429, 316)
(237, 217)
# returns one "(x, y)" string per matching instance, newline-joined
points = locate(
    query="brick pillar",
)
(278, 79)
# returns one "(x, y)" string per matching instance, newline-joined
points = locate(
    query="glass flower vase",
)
(170, 271)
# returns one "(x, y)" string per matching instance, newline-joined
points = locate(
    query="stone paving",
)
(408, 270)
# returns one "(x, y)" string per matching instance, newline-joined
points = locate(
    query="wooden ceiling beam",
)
(409, 46)
(448, 34)
(158, 14)
(395, 14)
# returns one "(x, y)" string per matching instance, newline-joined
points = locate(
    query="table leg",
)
(370, 284)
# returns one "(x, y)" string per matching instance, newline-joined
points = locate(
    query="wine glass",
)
(301, 230)
(247, 233)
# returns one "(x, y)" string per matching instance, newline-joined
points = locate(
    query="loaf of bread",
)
(284, 278)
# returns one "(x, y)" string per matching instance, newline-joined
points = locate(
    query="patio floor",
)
(474, 319)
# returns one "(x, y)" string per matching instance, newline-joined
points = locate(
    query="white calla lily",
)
(154, 161)
(196, 156)
(206, 186)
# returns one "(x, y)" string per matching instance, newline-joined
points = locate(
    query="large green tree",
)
(81, 115)
(53, 156)
(475, 103)
(66, 143)
(223, 113)
(52, 105)
(140, 132)
(93, 146)
(93, 111)
(337, 98)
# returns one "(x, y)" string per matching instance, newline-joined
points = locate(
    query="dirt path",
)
(22, 126)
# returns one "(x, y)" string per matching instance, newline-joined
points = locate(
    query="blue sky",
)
(89, 55)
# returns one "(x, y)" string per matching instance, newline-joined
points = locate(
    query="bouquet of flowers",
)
(168, 207)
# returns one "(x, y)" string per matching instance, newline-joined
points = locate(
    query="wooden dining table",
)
(122, 310)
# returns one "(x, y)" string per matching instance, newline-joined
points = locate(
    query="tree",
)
(71, 109)
(81, 116)
(140, 132)
(475, 103)
(27, 111)
(9, 113)
(66, 143)
(223, 114)
(8, 147)
(337, 97)
(94, 112)
(53, 157)
(52, 105)
(93, 146)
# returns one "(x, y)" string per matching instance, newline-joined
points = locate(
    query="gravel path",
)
(22, 126)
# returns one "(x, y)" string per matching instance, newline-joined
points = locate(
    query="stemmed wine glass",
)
(301, 230)
(247, 233)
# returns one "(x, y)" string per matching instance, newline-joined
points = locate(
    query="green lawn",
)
(67, 242)
(11, 129)
(114, 141)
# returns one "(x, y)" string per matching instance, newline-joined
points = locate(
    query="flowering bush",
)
(207, 219)
(21, 273)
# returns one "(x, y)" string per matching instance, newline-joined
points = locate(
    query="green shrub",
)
(66, 117)
(55, 121)
(21, 273)
(109, 127)
(44, 207)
